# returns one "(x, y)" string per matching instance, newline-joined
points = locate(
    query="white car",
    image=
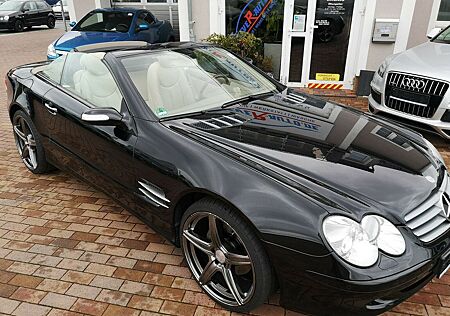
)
(58, 12)
(413, 86)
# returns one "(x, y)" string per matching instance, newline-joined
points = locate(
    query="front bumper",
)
(434, 124)
(6, 25)
(307, 289)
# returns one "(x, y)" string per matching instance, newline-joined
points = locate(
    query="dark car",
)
(17, 15)
(112, 25)
(261, 186)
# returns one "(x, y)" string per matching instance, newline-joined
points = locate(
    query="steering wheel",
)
(222, 79)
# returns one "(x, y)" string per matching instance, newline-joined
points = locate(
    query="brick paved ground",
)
(67, 249)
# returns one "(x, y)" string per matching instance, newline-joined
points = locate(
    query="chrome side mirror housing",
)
(102, 116)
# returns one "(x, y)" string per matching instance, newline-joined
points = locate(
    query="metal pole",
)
(63, 15)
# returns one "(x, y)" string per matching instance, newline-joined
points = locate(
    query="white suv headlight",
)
(359, 243)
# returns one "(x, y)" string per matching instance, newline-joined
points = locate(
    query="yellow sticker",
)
(327, 77)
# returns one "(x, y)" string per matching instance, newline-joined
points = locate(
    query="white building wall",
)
(79, 8)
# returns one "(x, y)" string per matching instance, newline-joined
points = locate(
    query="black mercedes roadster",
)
(264, 188)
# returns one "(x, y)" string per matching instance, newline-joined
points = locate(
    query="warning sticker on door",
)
(327, 77)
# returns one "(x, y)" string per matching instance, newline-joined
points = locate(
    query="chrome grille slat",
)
(433, 90)
(428, 221)
(436, 233)
(424, 217)
(429, 226)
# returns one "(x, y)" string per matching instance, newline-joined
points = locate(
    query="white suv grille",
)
(431, 219)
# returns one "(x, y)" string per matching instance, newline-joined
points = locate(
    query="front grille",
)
(414, 95)
(430, 220)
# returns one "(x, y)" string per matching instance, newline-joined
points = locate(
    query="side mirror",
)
(143, 27)
(102, 116)
(72, 23)
(25, 10)
(434, 32)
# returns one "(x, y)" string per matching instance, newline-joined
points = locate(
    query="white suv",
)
(413, 87)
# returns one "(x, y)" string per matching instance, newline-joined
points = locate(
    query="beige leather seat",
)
(95, 83)
(167, 83)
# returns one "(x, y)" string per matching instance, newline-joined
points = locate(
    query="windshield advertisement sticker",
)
(276, 118)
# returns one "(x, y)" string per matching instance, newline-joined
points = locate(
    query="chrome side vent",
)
(432, 218)
(219, 122)
(153, 194)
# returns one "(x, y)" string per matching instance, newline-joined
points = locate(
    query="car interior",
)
(196, 86)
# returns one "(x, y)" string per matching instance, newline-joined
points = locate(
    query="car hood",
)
(429, 59)
(5, 13)
(73, 39)
(339, 153)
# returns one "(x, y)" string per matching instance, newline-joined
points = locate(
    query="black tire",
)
(262, 273)
(51, 22)
(42, 165)
(19, 26)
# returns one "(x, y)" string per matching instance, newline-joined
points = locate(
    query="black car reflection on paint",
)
(17, 15)
(249, 183)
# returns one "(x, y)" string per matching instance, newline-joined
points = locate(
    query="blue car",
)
(113, 24)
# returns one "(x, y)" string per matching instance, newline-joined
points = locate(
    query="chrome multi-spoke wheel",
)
(25, 142)
(28, 143)
(221, 261)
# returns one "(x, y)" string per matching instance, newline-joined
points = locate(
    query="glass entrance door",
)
(297, 41)
(316, 37)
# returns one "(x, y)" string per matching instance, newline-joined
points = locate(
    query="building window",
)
(444, 11)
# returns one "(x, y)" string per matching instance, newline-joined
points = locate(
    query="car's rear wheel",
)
(225, 256)
(19, 26)
(51, 22)
(28, 142)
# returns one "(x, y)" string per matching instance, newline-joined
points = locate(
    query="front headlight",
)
(359, 243)
(4, 18)
(51, 52)
(382, 69)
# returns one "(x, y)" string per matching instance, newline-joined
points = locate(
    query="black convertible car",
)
(264, 188)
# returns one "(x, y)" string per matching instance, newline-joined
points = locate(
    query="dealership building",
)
(312, 43)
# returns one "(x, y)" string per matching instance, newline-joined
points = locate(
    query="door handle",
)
(51, 109)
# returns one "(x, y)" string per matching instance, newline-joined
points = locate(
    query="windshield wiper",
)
(248, 98)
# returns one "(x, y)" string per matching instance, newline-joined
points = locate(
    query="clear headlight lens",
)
(382, 69)
(51, 52)
(4, 18)
(359, 243)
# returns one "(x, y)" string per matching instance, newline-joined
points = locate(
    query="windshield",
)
(105, 22)
(11, 6)
(444, 37)
(195, 79)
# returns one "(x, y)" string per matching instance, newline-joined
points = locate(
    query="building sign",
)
(253, 15)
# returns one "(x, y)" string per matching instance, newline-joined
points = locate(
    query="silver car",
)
(413, 86)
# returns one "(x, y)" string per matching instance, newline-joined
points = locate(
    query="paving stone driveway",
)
(67, 249)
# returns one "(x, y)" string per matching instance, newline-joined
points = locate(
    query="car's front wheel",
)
(51, 22)
(225, 256)
(28, 142)
(19, 26)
